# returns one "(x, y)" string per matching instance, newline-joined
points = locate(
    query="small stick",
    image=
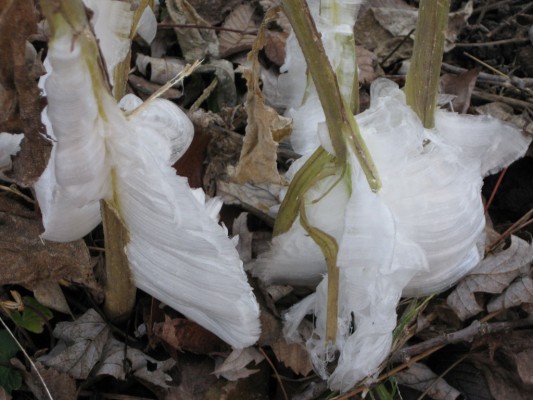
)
(215, 28)
(280, 381)
(521, 104)
(493, 43)
(498, 182)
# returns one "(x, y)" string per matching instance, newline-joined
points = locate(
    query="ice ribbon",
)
(177, 251)
(419, 234)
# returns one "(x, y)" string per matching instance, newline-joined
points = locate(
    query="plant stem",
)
(421, 83)
(343, 129)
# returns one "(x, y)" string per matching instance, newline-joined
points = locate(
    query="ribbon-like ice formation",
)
(177, 250)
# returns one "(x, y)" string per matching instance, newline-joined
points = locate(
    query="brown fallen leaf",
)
(366, 61)
(293, 356)
(275, 46)
(508, 368)
(184, 335)
(196, 379)
(26, 259)
(241, 18)
(116, 355)
(234, 368)
(420, 377)
(20, 99)
(519, 292)
(214, 11)
(492, 275)
(80, 347)
(195, 44)
(461, 86)
(60, 385)
(50, 295)
(265, 127)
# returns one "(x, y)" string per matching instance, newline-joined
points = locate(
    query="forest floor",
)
(51, 294)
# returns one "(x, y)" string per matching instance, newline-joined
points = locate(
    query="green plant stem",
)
(342, 128)
(421, 83)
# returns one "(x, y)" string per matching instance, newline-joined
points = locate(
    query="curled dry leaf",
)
(241, 18)
(519, 292)
(421, 378)
(265, 126)
(492, 275)
(366, 61)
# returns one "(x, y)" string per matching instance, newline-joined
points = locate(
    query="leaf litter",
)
(87, 345)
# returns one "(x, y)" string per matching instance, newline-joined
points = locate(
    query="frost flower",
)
(420, 233)
(177, 251)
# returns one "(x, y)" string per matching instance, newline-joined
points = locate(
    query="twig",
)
(204, 96)
(477, 328)
(397, 46)
(491, 6)
(269, 361)
(498, 182)
(522, 222)
(520, 83)
(13, 189)
(48, 394)
(493, 43)
(521, 104)
(215, 28)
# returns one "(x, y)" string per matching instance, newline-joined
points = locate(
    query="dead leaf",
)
(185, 335)
(241, 18)
(60, 385)
(240, 229)
(265, 126)
(214, 11)
(461, 86)
(508, 368)
(25, 259)
(506, 113)
(366, 61)
(492, 275)
(4, 395)
(118, 360)
(517, 293)
(421, 378)
(293, 356)
(196, 379)
(195, 44)
(275, 46)
(20, 99)
(81, 345)
(234, 367)
(50, 295)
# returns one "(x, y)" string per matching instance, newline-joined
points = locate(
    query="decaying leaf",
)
(461, 86)
(383, 27)
(196, 379)
(518, 292)
(265, 127)
(184, 335)
(81, 345)
(508, 368)
(20, 100)
(234, 367)
(240, 18)
(240, 229)
(28, 260)
(214, 11)
(195, 44)
(50, 295)
(275, 46)
(293, 355)
(60, 384)
(366, 61)
(117, 355)
(421, 378)
(492, 275)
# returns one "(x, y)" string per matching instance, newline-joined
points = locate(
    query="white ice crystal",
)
(177, 250)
